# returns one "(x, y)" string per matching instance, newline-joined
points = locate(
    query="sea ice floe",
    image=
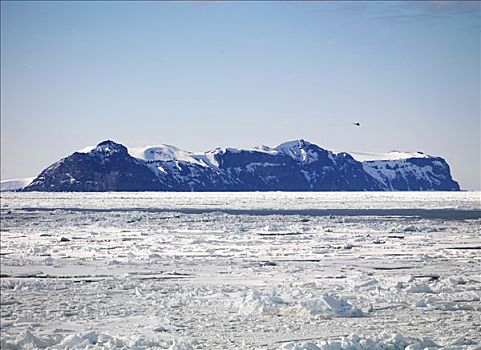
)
(27, 340)
(420, 303)
(206, 278)
(359, 342)
(180, 345)
(330, 305)
(414, 228)
(256, 302)
(419, 288)
(48, 261)
(160, 328)
(88, 340)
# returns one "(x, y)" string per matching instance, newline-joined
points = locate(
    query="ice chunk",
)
(355, 342)
(332, 305)
(180, 345)
(256, 302)
(419, 288)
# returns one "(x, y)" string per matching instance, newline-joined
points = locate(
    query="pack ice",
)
(276, 270)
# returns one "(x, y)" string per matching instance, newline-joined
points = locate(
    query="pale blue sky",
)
(204, 74)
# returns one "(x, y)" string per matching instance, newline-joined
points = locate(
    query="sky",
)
(200, 75)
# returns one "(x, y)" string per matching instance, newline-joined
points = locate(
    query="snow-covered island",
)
(292, 166)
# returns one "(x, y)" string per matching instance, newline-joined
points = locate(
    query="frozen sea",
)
(273, 270)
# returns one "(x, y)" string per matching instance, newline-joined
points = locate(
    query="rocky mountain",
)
(292, 166)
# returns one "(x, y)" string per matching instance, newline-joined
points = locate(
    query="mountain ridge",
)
(296, 165)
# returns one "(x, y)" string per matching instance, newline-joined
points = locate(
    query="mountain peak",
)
(109, 146)
(300, 150)
(301, 143)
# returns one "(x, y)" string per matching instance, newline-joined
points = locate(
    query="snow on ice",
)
(232, 271)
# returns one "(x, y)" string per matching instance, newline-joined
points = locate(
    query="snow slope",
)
(393, 155)
(15, 184)
(163, 153)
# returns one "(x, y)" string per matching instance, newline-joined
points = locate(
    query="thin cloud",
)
(407, 12)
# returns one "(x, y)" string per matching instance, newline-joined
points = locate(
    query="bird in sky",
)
(357, 124)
